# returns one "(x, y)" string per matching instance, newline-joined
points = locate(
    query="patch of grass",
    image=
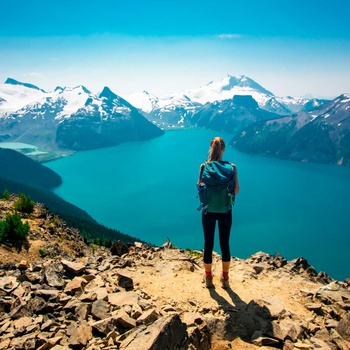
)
(193, 253)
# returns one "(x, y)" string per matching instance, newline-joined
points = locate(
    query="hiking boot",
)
(208, 281)
(225, 283)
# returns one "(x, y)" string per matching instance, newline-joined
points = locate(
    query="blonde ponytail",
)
(217, 148)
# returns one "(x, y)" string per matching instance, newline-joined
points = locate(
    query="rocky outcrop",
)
(49, 234)
(102, 302)
(58, 292)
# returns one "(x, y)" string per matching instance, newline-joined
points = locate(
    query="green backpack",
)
(216, 187)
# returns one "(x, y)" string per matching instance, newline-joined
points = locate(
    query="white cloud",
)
(229, 36)
(33, 74)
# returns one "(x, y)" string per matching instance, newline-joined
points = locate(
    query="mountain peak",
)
(84, 89)
(113, 98)
(227, 87)
(11, 81)
(58, 88)
(345, 96)
(243, 81)
(79, 88)
(108, 93)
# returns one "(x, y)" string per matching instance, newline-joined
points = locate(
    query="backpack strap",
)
(232, 190)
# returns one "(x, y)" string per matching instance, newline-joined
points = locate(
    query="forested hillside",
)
(20, 174)
(16, 166)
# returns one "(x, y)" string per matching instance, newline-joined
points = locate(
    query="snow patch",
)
(142, 100)
(17, 96)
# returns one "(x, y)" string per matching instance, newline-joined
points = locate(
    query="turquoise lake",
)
(147, 190)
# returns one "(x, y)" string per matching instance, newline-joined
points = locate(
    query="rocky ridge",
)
(137, 296)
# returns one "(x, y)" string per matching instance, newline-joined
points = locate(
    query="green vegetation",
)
(74, 216)
(6, 195)
(42, 252)
(102, 242)
(24, 204)
(36, 182)
(193, 253)
(12, 228)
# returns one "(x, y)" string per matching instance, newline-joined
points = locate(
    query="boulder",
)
(73, 267)
(287, 329)
(8, 284)
(148, 317)
(125, 282)
(54, 275)
(106, 325)
(119, 248)
(274, 306)
(100, 309)
(75, 286)
(165, 333)
(81, 335)
(343, 327)
(124, 320)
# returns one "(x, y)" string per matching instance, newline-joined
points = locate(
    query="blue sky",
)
(289, 47)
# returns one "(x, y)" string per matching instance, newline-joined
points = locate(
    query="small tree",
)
(6, 195)
(107, 243)
(3, 232)
(98, 241)
(24, 204)
(12, 228)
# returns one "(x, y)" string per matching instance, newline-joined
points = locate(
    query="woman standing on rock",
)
(217, 187)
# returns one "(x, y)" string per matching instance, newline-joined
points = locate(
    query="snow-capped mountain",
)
(69, 118)
(226, 88)
(75, 118)
(214, 91)
(170, 111)
(173, 112)
(296, 104)
(321, 135)
(176, 109)
(231, 86)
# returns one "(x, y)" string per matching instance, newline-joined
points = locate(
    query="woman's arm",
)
(200, 173)
(236, 179)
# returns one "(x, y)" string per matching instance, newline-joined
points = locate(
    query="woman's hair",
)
(217, 147)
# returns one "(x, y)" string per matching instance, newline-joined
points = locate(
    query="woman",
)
(217, 210)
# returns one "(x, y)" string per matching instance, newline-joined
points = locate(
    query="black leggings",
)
(224, 223)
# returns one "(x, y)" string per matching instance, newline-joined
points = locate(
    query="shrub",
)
(2, 231)
(24, 204)
(12, 228)
(6, 195)
(42, 252)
